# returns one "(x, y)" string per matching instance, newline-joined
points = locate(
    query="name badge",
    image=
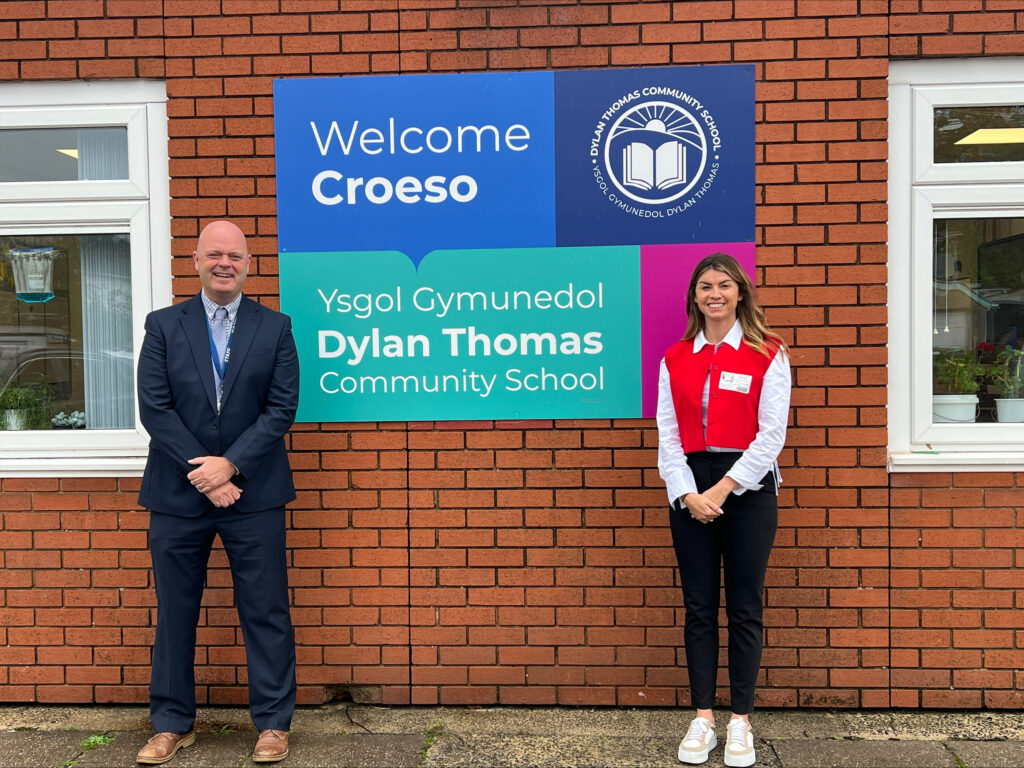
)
(735, 382)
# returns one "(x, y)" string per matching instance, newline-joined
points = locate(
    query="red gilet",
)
(732, 413)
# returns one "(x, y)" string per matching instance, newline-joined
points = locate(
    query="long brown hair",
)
(752, 320)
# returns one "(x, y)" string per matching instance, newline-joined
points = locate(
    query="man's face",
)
(222, 261)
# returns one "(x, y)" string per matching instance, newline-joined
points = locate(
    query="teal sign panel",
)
(530, 333)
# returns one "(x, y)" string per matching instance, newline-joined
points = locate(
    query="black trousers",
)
(738, 543)
(255, 546)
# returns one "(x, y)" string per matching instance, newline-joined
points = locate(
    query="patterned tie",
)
(219, 329)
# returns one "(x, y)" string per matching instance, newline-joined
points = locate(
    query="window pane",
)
(66, 332)
(978, 312)
(979, 134)
(63, 154)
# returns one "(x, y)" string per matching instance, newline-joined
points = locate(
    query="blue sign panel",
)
(655, 155)
(546, 221)
(415, 164)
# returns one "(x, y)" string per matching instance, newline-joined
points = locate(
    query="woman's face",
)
(717, 295)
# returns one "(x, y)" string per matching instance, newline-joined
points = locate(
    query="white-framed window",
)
(84, 256)
(956, 264)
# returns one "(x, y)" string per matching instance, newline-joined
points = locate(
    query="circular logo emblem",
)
(655, 151)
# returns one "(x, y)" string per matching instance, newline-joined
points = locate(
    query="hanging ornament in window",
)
(33, 273)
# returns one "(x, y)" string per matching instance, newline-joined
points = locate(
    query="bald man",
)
(218, 387)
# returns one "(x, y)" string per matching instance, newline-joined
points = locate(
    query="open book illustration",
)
(648, 168)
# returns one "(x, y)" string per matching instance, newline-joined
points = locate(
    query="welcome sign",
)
(503, 246)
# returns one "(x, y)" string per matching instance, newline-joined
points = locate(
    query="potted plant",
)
(23, 406)
(956, 379)
(1007, 376)
(63, 421)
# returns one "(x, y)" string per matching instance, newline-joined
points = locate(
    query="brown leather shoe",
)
(164, 746)
(271, 746)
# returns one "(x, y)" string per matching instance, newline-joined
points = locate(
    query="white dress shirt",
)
(758, 458)
(211, 307)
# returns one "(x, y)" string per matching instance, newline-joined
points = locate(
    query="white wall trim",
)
(139, 206)
(919, 191)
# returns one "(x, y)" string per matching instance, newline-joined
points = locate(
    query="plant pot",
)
(1010, 409)
(13, 420)
(954, 409)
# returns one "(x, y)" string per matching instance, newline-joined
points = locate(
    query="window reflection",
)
(978, 310)
(63, 154)
(979, 134)
(71, 352)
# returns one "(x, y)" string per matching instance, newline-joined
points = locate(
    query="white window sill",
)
(956, 461)
(85, 463)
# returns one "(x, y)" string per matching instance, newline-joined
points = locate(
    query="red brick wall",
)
(529, 562)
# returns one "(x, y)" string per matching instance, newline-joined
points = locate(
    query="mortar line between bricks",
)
(408, 478)
(408, 556)
(888, 495)
(408, 463)
(398, 12)
(888, 591)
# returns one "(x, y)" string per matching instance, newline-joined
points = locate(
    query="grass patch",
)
(429, 738)
(95, 741)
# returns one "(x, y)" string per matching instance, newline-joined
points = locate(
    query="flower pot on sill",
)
(954, 409)
(1010, 409)
(11, 420)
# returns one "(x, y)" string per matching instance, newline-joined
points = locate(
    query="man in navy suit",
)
(218, 387)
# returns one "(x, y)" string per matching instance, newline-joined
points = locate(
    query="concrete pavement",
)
(362, 736)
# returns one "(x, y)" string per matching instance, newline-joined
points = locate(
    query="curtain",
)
(106, 295)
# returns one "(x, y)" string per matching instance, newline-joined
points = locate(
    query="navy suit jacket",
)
(178, 405)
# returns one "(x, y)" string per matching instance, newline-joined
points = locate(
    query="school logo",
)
(658, 147)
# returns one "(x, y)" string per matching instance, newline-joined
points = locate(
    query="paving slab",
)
(37, 749)
(988, 754)
(452, 750)
(979, 725)
(366, 750)
(77, 718)
(856, 753)
(347, 717)
(208, 751)
(538, 721)
(358, 735)
(213, 750)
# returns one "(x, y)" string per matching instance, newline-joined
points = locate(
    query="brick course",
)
(530, 562)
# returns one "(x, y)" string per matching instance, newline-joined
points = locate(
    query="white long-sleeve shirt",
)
(758, 458)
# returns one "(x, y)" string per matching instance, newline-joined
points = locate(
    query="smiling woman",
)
(723, 405)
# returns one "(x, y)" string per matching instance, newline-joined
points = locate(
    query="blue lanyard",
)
(221, 365)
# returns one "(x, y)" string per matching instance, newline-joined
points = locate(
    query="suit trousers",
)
(738, 543)
(255, 546)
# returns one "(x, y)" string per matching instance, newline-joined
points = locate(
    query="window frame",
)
(138, 206)
(921, 191)
(132, 118)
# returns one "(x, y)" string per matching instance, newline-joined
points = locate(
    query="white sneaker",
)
(739, 747)
(698, 742)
